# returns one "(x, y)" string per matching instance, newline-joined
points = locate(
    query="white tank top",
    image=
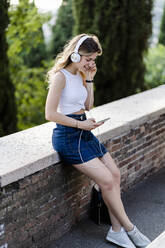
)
(73, 95)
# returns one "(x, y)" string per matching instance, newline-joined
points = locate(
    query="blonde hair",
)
(63, 58)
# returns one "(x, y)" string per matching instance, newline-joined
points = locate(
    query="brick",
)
(116, 140)
(137, 167)
(133, 138)
(116, 147)
(142, 129)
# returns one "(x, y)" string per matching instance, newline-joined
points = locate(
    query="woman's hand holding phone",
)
(90, 124)
(102, 121)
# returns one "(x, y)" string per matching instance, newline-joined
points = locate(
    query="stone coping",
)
(26, 152)
(159, 242)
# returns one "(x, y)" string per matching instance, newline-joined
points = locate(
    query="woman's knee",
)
(111, 165)
(117, 175)
(107, 183)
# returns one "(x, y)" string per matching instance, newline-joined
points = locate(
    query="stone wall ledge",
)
(26, 152)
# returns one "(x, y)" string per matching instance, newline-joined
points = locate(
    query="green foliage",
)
(27, 65)
(7, 106)
(123, 28)
(31, 95)
(25, 36)
(62, 30)
(162, 29)
(84, 13)
(155, 65)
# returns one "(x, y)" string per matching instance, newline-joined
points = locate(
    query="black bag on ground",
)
(98, 210)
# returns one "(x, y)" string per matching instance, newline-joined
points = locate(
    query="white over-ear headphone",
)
(75, 56)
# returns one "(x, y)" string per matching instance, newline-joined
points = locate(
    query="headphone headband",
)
(81, 40)
(75, 56)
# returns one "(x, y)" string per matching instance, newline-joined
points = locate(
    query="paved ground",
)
(145, 205)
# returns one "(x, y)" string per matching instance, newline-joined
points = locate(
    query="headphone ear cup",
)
(75, 57)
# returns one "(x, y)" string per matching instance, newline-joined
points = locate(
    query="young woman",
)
(70, 94)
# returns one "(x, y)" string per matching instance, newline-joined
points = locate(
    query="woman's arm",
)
(90, 98)
(90, 71)
(52, 101)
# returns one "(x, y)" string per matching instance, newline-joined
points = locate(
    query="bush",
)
(31, 91)
(155, 66)
(28, 62)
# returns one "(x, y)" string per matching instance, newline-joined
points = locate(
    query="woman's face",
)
(87, 61)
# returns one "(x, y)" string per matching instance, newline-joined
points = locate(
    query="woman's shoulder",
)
(59, 74)
(58, 78)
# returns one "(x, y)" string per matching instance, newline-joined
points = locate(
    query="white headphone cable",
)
(97, 127)
(79, 142)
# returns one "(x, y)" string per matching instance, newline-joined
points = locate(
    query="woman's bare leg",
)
(96, 170)
(110, 164)
(137, 237)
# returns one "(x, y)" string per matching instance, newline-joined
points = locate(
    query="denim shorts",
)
(74, 145)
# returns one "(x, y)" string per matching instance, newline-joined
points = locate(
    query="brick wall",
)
(139, 152)
(40, 208)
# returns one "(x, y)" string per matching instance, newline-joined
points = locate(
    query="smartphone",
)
(106, 119)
